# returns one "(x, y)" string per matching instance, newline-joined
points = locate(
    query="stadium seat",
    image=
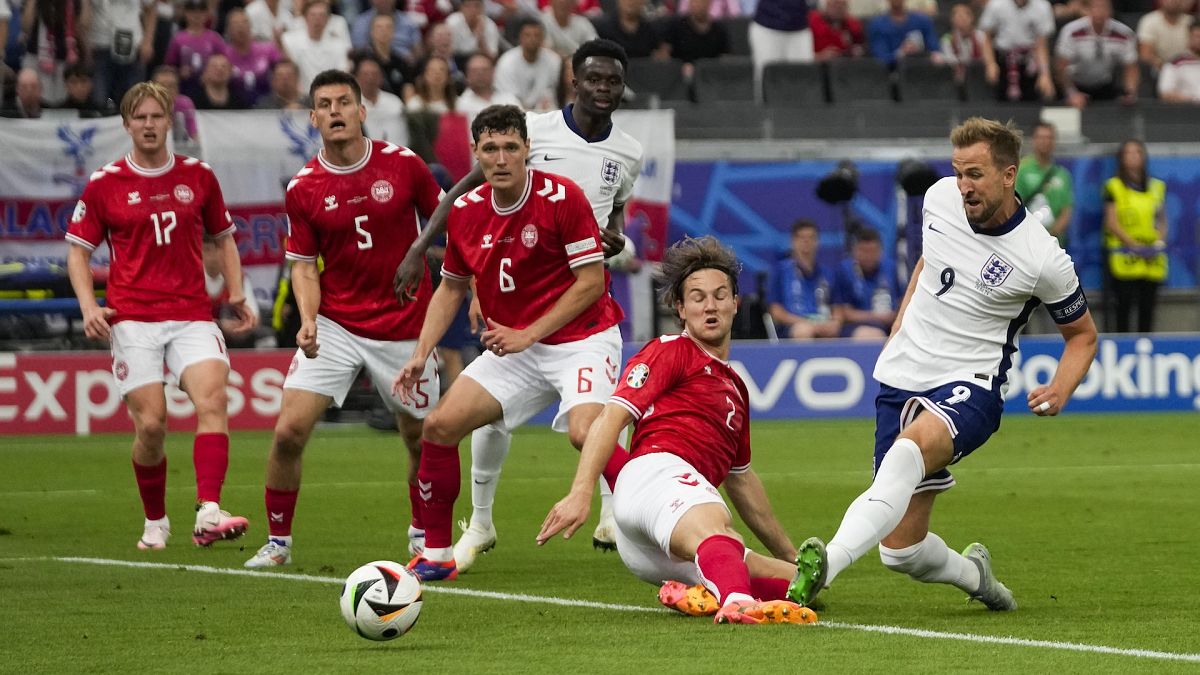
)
(1108, 122)
(720, 120)
(787, 85)
(1024, 115)
(1168, 122)
(653, 78)
(861, 79)
(922, 80)
(864, 121)
(738, 28)
(725, 79)
(1147, 82)
(976, 88)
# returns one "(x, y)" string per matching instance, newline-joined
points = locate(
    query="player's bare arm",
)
(442, 307)
(95, 317)
(587, 288)
(750, 500)
(231, 270)
(306, 283)
(1048, 400)
(408, 274)
(572, 511)
(612, 238)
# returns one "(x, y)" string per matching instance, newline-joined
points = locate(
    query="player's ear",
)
(312, 118)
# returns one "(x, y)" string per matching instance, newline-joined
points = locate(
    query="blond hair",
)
(142, 91)
(1003, 140)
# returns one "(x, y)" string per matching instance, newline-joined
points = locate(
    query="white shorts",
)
(584, 371)
(139, 349)
(342, 354)
(650, 497)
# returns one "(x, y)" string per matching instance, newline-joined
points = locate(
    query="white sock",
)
(438, 554)
(736, 597)
(166, 522)
(876, 512)
(489, 447)
(605, 500)
(931, 561)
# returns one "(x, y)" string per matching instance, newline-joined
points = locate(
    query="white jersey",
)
(606, 169)
(975, 293)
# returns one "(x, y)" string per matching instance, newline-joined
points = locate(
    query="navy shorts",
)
(970, 412)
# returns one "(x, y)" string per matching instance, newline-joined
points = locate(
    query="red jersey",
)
(522, 256)
(360, 220)
(154, 221)
(689, 403)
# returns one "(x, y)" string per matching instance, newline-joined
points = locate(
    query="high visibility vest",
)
(1136, 211)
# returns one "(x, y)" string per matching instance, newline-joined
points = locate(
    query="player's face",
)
(982, 184)
(148, 126)
(599, 85)
(502, 155)
(337, 114)
(708, 306)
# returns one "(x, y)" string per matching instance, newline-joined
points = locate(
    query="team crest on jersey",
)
(184, 194)
(638, 375)
(79, 212)
(529, 236)
(381, 191)
(610, 171)
(995, 271)
(121, 370)
(487, 241)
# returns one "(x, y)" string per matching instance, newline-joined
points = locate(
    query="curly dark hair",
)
(599, 47)
(498, 119)
(688, 256)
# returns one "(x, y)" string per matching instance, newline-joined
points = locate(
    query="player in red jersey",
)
(692, 434)
(153, 208)
(530, 242)
(354, 205)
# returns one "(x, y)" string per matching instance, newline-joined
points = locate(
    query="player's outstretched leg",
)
(993, 594)
(604, 538)
(476, 539)
(691, 600)
(489, 448)
(812, 569)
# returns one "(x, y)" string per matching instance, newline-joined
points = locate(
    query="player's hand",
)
(408, 276)
(95, 322)
(502, 340)
(475, 316)
(567, 516)
(611, 241)
(407, 380)
(306, 339)
(245, 320)
(1044, 401)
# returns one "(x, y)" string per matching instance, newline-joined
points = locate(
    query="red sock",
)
(769, 588)
(438, 482)
(414, 498)
(722, 568)
(152, 484)
(618, 459)
(210, 454)
(281, 506)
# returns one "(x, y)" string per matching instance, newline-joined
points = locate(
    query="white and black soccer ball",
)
(381, 600)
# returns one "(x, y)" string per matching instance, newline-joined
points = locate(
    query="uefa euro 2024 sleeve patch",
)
(638, 375)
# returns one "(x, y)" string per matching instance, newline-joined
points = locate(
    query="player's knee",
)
(290, 439)
(438, 429)
(215, 402)
(151, 430)
(577, 437)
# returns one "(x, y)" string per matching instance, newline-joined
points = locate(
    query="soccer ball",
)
(381, 600)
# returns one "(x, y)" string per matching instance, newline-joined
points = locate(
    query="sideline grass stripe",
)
(566, 602)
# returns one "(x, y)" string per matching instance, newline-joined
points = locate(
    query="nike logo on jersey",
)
(931, 227)
(547, 158)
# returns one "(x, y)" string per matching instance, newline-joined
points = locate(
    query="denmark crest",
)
(121, 370)
(529, 235)
(995, 271)
(381, 191)
(183, 194)
(638, 375)
(610, 171)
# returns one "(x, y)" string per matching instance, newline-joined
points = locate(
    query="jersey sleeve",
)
(627, 183)
(1060, 289)
(577, 229)
(741, 458)
(650, 373)
(426, 192)
(86, 228)
(453, 265)
(217, 221)
(302, 239)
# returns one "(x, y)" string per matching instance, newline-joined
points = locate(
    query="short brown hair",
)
(688, 256)
(1004, 140)
(142, 91)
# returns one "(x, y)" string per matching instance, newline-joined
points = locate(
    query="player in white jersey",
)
(582, 143)
(987, 263)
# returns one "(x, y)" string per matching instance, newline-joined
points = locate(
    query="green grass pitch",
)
(1091, 521)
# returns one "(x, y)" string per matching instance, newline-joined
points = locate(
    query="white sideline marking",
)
(566, 602)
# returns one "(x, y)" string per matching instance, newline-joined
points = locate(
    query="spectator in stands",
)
(440, 43)
(215, 92)
(899, 33)
(835, 33)
(565, 28)
(269, 19)
(312, 49)
(6, 71)
(694, 36)
(385, 112)
(630, 28)
(866, 290)
(55, 33)
(530, 71)
(285, 91)
(184, 127)
(28, 103)
(122, 43)
(81, 94)
(799, 296)
(406, 40)
(1179, 81)
(965, 44)
(472, 30)
(1020, 31)
(1135, 227)
(1163, 34)
(437, 132)
(191, 47)
(718, 9)
(780, 32)
(1045, 185)
(1066, 11)
(251, 59)
(1089, 53)
(233, 329)
(481, 92)
(397, 70)
(566, 84)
